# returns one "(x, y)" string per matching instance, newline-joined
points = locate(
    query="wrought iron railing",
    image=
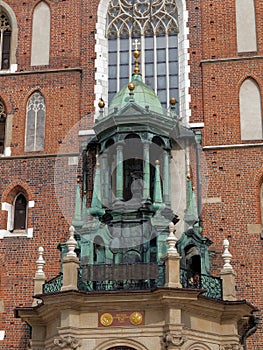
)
(212, 285)
(133, 277)
(120, 277)
(54, 285)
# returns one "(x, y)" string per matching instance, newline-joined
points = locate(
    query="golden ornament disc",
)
(106, 319)
(136, 318)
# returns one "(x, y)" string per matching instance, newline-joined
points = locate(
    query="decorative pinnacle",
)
(226, 256)
(40, 262)
(136, 55)
(171, 239)
(71, 243)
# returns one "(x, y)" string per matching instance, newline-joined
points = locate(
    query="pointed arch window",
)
(5, 41)
(20, 212)
(41, 35)
(35, 123)
(251, 123)
(246, 26)
(155, 25)
(2, 126)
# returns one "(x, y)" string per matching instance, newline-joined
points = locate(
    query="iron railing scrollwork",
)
(212, 285)
(120, 277)
(54, 285)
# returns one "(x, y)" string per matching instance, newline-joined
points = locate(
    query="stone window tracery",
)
(154, 23)
(5, 41)
(35, 123)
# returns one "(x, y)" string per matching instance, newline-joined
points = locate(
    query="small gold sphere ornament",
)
(136, 53)
(157, 162)
(173, 101)
(136, 318)
(106, 319)
(131, 86)
(101, 103)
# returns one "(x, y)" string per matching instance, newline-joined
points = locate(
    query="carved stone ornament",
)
(231, 347)
(173, 339)
(67, 342)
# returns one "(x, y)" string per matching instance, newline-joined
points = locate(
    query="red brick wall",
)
(234, 174)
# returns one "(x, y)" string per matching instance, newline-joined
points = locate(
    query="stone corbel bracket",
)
(67, 343)
(173, 339)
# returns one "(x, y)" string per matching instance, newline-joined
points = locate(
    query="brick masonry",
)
(233, 174)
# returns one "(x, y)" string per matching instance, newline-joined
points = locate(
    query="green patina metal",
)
(122, 235)
(143, 96)
(77, 219)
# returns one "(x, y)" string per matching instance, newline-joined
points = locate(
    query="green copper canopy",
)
(142, 95)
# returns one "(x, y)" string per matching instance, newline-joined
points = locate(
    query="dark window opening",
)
(20, 212)
(2, 126)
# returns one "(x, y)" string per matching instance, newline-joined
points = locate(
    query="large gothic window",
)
(5, 41)
(154, 24)
(2, 126)
(35, 123)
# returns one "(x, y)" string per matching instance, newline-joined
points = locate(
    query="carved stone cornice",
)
(67, 343)
(231, 347)
(173, 339)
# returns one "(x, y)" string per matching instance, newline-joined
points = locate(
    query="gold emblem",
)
(136, 318)
(106, 319)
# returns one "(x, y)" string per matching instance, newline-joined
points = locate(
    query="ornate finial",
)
(171, 239)
(131, 86)
(136, 55)
(40, 262)
(136, 44)
(101, 103)
(157, 162)
(173, 101)
(71, 243)
(226, 256)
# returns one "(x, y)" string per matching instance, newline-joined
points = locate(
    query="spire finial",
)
(136, 55)
(226, 256)
(71, 243)
(40, 262)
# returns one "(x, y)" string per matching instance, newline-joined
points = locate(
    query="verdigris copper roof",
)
(142, 95)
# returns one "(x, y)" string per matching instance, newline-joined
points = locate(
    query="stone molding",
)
(67, 343)
(174, 339)
(231, 347)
